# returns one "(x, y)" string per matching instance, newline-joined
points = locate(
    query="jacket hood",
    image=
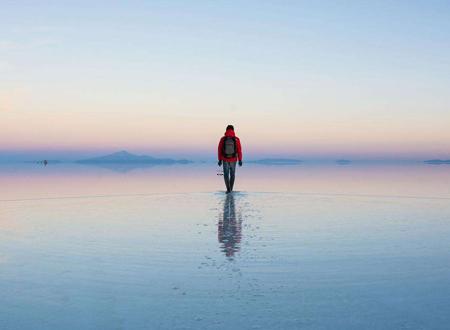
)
(230, 132)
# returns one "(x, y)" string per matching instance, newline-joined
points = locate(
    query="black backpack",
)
(229, 147)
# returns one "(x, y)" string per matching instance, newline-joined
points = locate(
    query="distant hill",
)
(276, 161)
(124, 157)
(437, 161)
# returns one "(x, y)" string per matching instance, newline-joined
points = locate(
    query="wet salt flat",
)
(310, 247)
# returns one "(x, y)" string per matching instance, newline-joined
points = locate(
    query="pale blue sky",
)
(339, 78)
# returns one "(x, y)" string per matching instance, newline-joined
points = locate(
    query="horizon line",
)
(71, 155)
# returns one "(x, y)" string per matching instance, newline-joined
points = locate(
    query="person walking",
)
(229, 152)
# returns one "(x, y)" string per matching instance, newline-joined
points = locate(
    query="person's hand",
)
(240, 163)
(219, 163)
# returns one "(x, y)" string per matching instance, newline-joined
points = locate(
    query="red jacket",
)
(229, 132)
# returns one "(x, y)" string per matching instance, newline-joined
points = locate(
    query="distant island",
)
(124, 157)
(276, 161)
(437, 161)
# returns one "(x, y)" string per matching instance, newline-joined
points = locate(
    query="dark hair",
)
(230, 127)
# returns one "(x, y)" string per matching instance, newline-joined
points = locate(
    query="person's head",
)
(230, 127)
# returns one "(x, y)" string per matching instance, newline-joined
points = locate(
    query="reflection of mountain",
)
(122, 168)
(124, 157)
(343, 161)
(229, 227)
(276, 161)
(437, 161)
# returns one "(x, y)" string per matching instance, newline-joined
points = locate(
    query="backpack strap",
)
(223, 145)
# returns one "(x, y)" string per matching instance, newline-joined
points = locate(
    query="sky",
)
(304, 79)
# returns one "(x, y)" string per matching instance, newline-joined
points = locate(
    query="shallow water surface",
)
(314, 247)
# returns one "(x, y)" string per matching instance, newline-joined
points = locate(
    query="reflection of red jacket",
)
(229, 132)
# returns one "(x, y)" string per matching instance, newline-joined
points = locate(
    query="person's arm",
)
(219, 150)
(239, 149)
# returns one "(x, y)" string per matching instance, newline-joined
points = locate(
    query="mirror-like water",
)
(315, 247)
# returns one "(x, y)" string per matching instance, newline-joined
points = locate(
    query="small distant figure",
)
(45, 162)
(229, 152)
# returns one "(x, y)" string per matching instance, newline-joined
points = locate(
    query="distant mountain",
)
(276, 161)
(124, 157)
(437, 161)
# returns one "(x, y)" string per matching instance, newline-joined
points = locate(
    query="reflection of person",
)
(229, 228)
(229, 152)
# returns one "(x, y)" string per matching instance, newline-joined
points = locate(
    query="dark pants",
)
(229, 169)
